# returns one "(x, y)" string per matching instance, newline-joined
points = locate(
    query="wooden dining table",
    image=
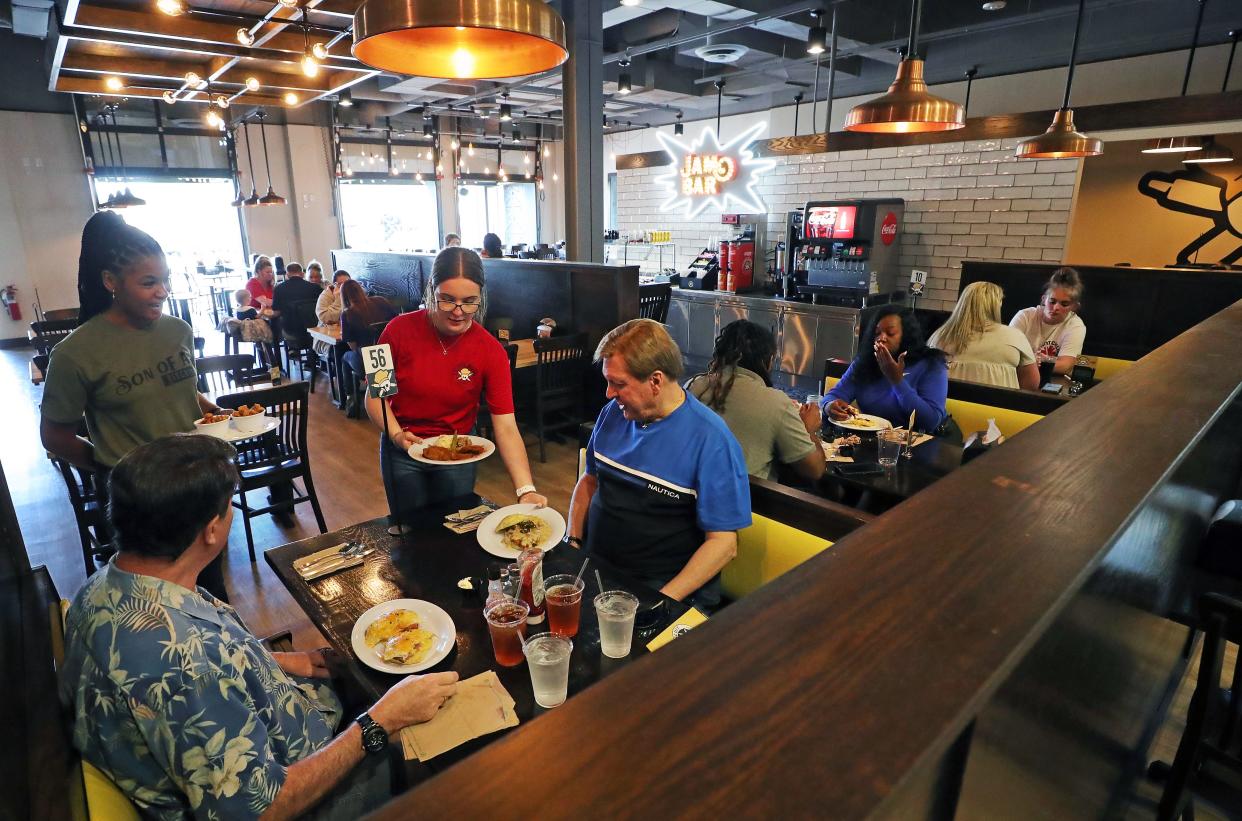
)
(427, 564)
(927, 464)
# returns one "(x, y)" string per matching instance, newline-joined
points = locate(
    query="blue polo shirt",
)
(661, 487)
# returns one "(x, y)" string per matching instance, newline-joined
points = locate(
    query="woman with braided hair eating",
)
(771, 428)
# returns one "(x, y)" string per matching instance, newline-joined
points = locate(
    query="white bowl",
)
(213, 428)
(249, 424)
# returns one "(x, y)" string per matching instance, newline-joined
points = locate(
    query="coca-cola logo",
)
(888, 228)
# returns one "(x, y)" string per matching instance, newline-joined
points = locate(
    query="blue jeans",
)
(412, 486)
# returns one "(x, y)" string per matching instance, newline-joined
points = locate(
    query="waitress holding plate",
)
(444, 362)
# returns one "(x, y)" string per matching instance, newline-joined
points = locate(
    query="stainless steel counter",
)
(806, 334)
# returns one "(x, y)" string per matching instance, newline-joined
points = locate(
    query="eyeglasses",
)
(470, 306)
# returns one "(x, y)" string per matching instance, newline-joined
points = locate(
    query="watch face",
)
(374, 739)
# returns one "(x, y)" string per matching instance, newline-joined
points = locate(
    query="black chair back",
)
(293, 328)
(221, 304)
(220, 373)
(559, 366)
(653, 301)
(289, 404)
(89, 498)
(49, 333)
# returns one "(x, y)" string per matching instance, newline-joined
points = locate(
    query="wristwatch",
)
(374, 738)
(573, 541)
(523, 490)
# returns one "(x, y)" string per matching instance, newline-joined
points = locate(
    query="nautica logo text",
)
(664, 490)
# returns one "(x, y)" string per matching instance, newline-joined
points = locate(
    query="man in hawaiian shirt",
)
(175, 700)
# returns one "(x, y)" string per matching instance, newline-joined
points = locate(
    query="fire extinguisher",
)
(9, 297)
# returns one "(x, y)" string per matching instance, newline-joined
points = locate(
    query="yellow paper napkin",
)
(481, 705)
(684, 624)
(919, 438)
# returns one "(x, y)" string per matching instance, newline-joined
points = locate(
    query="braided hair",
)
(108, 244)
(913, 344)
(742, 344)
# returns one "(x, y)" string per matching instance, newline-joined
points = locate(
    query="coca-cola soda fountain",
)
(846, 251)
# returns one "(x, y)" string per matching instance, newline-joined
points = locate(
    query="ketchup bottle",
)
(532, 592)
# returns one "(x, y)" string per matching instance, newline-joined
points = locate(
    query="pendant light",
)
(252, 200)
(1179, 145)
(1062, 139)
(431, 38)
(1212, 152)
(127, 198)
(111, 201)
(271, 197)
(907, 107)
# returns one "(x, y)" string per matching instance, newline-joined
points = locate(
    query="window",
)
(194, 221)
(507, 210)
(610, 218)
(390, 216)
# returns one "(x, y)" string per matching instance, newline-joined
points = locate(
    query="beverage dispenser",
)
(847, 249)
(742, 252)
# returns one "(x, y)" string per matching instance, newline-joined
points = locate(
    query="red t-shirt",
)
(258, 289)
(439, 392)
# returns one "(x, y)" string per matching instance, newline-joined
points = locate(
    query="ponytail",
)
(108, 244)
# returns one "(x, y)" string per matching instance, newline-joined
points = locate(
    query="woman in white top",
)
(1053, 328)
(980, 347)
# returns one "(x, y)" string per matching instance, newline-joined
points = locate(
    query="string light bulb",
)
(222, 101)
(547, 152)
(245, 37)
(114, 84)
(310, 66)
(454, 144)
(252, 83)
(470, 150)
(555, 176)
(213, 119)
(320, 51)
(419, 176)
(289, 4)
(291, 98)
(169, 97)
(526, 159)
(193, 80)
(171, 7)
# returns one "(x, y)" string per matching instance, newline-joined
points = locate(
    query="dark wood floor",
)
(344, 463)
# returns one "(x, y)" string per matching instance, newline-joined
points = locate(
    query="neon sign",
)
(707, 173)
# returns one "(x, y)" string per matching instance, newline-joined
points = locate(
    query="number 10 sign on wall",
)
(377, 364)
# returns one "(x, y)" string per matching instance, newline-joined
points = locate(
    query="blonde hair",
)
(977, 309)
(241, 296)
(644, 346)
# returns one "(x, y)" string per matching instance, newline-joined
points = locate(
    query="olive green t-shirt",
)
(133, 385)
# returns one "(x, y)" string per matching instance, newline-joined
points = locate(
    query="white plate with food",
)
(231, 434)
(403, 636)
(864, 422)
(505, 530)
(452, 450)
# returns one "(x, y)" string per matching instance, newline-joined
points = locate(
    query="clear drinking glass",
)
(889, 444)
(615, 610)
(563, 597)
(547, 656)
(506, 622)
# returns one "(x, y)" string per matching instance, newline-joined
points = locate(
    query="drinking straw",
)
(599, 580)
(581, 570)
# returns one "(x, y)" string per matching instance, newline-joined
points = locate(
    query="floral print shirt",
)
(179, 704)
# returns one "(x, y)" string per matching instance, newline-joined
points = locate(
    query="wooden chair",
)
(49, 333)
(217, 374)
(298, 344)
(484, 418)
(560, 365)
(221, 304)
(88, 496)
(653, 301)
(1211, 742)
(278, 457)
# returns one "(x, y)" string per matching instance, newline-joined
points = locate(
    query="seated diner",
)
(980, 347)
(1053, 327)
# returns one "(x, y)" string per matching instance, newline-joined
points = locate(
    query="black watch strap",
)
(374, 737)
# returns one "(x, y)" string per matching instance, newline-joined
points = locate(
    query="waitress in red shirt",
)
(444, 363)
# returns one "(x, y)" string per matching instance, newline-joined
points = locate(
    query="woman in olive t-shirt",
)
(128, 368)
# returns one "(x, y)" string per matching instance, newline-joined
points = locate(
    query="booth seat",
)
(1106, 367)
(765, 550)
(973, 416)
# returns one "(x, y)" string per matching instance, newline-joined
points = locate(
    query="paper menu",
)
(481, 705)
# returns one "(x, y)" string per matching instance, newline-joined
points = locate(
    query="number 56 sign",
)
(378, 366)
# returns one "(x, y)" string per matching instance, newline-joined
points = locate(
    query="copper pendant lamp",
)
(126, 199)
(1212, 152)
(271, 197)
(1062, 139)
(253, 199)
(483, 39)
(907, 107)
(1181, 145)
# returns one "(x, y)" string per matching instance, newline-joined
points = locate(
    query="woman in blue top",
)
(894, 375)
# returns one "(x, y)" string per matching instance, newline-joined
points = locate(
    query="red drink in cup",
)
(506, 621)
(563, 597)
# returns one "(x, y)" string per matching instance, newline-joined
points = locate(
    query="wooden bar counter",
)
(999, 645)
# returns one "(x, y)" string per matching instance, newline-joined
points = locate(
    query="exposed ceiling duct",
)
(30, 18)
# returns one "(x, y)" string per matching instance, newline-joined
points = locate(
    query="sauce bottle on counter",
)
(532, 590)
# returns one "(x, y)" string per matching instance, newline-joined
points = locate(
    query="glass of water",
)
(815, 399)
(889, 444)
(615, 610)
(547, 656)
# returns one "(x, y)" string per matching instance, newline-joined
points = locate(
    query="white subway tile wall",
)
(969, 200)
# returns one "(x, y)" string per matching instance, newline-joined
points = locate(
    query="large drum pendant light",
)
(467, 39)
(1062, 139)
(908, 107)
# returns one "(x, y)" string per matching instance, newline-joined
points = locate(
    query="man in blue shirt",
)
(176, 701)
(665, 489)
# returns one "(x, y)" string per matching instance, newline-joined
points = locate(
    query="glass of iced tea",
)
(563, 597)
(506, 621)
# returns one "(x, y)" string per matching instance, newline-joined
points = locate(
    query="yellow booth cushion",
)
(765, 550)
(972, 416)
(104, 800)
(1105, 367)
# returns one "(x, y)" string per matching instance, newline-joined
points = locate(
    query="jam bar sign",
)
(709, 174)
